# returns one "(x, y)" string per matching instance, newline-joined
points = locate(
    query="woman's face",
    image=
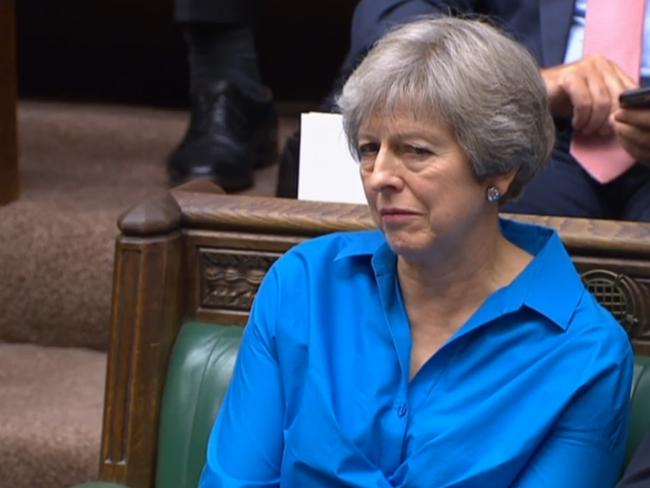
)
(419, 184)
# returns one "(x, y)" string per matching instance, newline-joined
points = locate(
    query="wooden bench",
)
(200, 255)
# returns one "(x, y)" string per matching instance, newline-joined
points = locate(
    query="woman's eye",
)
(368, 149)
(418, 150)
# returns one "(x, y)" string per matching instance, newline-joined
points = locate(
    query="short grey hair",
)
(467, 75)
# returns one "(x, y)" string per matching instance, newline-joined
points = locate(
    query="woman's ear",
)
(503, 182)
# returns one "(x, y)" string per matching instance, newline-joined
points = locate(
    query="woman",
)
(448, 348)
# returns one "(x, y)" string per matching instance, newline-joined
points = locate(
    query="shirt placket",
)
(396, 419)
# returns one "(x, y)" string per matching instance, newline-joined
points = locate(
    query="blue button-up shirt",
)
(531, 392)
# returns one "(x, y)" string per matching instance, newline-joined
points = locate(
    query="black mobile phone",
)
(637, 98)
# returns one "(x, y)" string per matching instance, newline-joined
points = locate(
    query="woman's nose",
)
(385, 171)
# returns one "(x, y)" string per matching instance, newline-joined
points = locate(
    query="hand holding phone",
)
(637, 98)
(632, 124)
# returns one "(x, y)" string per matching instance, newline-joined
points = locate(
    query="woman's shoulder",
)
(325, 261)
(595, 324)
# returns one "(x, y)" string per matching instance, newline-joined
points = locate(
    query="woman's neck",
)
(444, 289)
(462, 275)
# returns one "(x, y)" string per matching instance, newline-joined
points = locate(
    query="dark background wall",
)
(130, 51)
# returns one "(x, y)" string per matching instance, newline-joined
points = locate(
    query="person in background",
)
(583, 91)
(233, 125)
(448, 347)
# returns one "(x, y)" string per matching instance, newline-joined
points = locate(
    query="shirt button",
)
(401, 411)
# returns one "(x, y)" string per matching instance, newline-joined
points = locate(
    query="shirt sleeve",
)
(587, 446)
(246, 442)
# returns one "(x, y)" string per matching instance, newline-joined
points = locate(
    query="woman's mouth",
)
(396, 215)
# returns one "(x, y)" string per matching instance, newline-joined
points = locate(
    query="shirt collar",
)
(549, 284)
(371, 244)
(364, 243)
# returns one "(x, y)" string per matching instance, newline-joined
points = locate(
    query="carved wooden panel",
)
(230, 278)
(625, 297)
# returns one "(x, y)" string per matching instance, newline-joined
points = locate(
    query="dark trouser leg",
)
(635, 186)
(221, 46)
(233, 126)
(565, 189)
(233, 12)
(562, 189)
(223, 52)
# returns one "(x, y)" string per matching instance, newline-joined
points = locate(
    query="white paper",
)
(328, 173)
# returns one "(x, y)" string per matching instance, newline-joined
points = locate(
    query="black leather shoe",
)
(229, 135)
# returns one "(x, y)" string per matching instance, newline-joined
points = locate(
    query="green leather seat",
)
(198, 376)
(199, 372)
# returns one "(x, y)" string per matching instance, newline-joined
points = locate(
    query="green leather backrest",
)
(199, 372)
(640, 419)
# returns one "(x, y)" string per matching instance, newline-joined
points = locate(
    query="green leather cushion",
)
(199, 372)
